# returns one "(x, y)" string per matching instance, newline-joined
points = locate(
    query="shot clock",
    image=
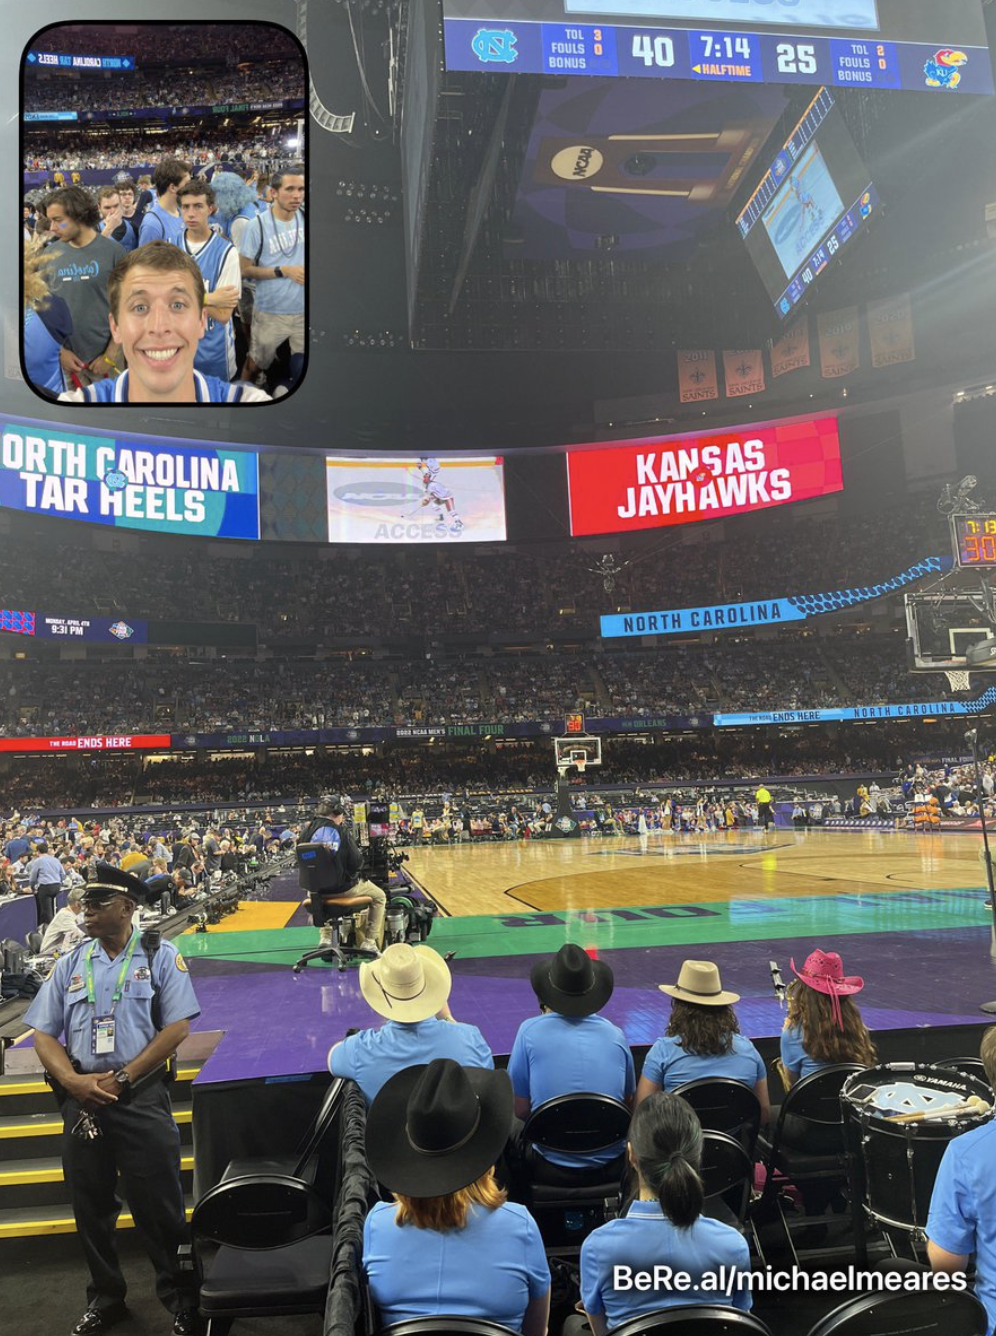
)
(974, 539)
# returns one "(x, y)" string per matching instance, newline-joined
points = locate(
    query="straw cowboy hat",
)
(699, 983)
(408, 983)
(571, 983)
(435, 1129)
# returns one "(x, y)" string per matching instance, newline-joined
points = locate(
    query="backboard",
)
(942, 627)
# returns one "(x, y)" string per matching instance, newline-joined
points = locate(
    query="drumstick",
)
(975, 1104)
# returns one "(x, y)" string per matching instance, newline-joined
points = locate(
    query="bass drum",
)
(897, 1160)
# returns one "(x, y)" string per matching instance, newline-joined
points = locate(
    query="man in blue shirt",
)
(408, 986)
(962, 1218)
(569, 1049)
(272, 251)
(123, 1007)
(45, 879)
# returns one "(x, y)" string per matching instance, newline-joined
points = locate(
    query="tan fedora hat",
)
(699, 982)
(408, 983)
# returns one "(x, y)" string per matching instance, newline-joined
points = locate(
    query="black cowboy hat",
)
(433, 1130)
(571, 983)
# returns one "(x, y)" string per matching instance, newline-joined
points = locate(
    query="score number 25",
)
(796, 58)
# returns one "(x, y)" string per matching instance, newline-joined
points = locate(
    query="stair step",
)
(28, 1093)
(19, 1172)
(11, 1086)
(26, 1221)
(20, 1133)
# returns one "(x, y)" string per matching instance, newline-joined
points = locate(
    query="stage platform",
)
(905, 911)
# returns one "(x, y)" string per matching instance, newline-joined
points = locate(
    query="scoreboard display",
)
(974, 539)
(911, 44)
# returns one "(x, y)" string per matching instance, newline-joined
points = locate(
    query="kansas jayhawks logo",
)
(944, 70)
(494, 45)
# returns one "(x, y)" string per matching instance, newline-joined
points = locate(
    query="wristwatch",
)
(122, 1077)
(278, 272)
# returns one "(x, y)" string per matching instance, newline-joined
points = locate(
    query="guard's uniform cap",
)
(110, 881)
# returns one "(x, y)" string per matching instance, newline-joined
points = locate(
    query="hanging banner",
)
(839, 343)
(744, 370)
(890, 331)
(791, 352)
(697, 376)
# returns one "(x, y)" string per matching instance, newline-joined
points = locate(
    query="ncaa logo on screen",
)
(494, 46)
(378, 493)
(121, 630)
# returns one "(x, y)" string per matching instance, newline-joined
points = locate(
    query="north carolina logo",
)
(115, 480)
(121, 630)
(494, 45)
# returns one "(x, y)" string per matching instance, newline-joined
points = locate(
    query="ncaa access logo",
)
(494, 46)
(378, 493)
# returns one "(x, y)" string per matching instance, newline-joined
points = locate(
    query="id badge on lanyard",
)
(103, 1035)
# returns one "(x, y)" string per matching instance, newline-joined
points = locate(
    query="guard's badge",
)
(143, 972)
(76, 983)
(181, 964)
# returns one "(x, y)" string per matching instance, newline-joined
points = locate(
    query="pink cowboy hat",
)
(824, 972)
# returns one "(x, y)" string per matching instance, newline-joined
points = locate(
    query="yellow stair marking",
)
(20, 1229)
(50, 1124)
(36, 1086)
(52, 1173)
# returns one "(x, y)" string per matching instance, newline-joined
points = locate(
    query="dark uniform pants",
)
(140, 1142)
(46, 896)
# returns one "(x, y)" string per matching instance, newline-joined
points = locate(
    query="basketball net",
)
(581, 762)
(958, 679)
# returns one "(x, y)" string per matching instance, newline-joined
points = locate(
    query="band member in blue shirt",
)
(449, 1243)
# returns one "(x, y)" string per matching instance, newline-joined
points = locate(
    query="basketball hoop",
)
(581, 762)
(958, 679)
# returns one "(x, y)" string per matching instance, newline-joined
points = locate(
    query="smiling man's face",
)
(159, 324)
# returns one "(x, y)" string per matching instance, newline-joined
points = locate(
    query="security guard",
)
(763, 799)
(124, 1008)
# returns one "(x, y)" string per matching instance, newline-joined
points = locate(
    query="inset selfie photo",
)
(163, 213)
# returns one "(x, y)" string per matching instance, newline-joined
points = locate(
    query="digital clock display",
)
(974, 539)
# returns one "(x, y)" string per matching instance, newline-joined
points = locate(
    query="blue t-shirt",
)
(62, 1006)
(669, 1066)
(46, 333)
(564, 1055)
(373, 1056)
(490, 1269)
(795, 1059)
(272, 243)
(207, 390)
(645, 1238)
(962, 1217)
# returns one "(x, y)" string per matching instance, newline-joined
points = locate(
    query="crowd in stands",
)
(274, 81)
(129, 151)
(535, 589)
(408, 769)
(172, 44)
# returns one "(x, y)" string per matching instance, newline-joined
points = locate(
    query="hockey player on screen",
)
(437, 495)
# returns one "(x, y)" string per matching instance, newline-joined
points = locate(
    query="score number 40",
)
(793, 58)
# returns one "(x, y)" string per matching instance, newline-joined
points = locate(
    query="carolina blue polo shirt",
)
(669, 1066)
(62, 1007)
(962, 1215)
(489, 1269)
(564, 1055)
(373, 1056)
(645, 1238)
(795, 1059)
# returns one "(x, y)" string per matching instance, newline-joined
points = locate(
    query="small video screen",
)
(164, 179)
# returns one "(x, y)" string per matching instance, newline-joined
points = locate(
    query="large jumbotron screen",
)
(914, 44)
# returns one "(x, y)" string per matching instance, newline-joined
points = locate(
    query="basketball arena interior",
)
(600, 606)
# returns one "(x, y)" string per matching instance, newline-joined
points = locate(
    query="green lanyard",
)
(116, 998)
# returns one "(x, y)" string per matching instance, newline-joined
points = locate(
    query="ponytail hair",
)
(666, 1139)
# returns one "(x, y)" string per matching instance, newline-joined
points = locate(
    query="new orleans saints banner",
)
(839, 343)
(792, 350)
(744, 370)
(697, 376)
(890, 331)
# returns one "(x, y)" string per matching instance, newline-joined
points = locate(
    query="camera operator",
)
(329, 827)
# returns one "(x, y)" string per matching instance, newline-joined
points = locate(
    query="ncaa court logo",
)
(377, 493)
(579, 162)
